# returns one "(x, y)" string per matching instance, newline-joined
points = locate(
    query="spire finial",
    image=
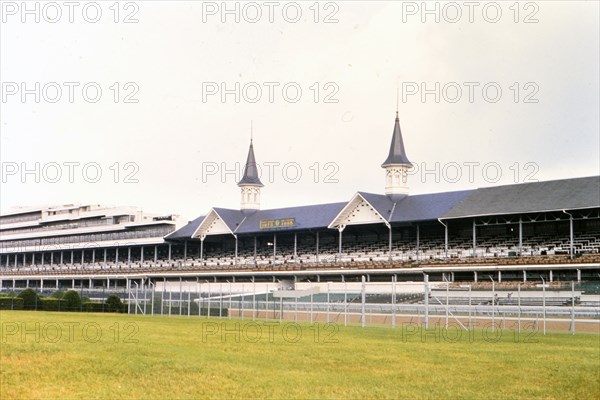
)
(251, 130)
(397, 99)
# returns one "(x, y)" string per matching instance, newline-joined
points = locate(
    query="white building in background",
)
(70, 234)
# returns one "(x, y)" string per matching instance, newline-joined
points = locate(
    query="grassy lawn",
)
(108, 356)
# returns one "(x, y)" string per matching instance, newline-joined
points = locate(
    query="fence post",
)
(572, 308)
(426, 300)
(394, 277)
(363, 288)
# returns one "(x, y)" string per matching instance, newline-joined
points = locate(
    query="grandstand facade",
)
(552, 228)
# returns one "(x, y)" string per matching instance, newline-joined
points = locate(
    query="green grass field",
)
(77, 355)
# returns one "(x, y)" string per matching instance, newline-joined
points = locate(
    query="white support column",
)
(340, 230)
(128, 255)
(202, 249)
(474, 239)
(550, 276)
(155, 253)
(475, 276)
(42, 258)
(61, 258)
(418, 240)
(104, 256)
(116, 255)
(185, 251)
(578, 275)
(254, 251)
(274, 247)
(170, 251)
(142, 254)
(235, 261)
(295, 247)
(390, 242)
(72, 255)
(499, 276)
(317, 245)
(82, 256)
(93, 256)
(524, 276)
(520, 236)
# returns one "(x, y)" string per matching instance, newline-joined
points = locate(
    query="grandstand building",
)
(551, 228)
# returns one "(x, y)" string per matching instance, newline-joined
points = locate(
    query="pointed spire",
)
(250, 177)
(397, 153)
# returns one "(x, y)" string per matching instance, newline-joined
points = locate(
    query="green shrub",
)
(89, 306)
(11, 303)
(72, 301)
(114, 303)
(30, 299)
(52, 304)
(58, 294)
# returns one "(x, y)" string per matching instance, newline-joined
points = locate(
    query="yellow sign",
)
(277, 223)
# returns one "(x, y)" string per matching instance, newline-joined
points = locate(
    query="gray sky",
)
(176, 59)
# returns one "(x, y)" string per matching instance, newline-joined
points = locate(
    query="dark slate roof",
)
(306, 217)
(565, 194)
(250, 170)
(186, 231)
(397, 153)
(424, 207)
(232, 218)
(382, 203)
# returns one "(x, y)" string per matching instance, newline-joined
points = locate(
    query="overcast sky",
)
(172, 130)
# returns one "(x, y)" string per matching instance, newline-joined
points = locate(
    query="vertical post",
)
(82, 256)
(520, 236)
(254, 251)
(544, 302)
(447, 302)
(142, 254)
(116, 255)
(394, 277)
(474, 239)
(184, 250)
(295, 247)
(390, 243)
(470, 304)
(235, 260)
(170, 249)
(274, 248)
(180, 294)
(426, 300)
(572, 308)
(446, 241)
(418, 244)
(104, 256)
(128, 255)
(317, 240)
(202, 250)
(340, 229)
(345, 303)
(571, 249)
(519, 304)
(155, 253)
(493, 305)
(578, 275)
(363, 292)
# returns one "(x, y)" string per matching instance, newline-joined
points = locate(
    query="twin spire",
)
(396, 166)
